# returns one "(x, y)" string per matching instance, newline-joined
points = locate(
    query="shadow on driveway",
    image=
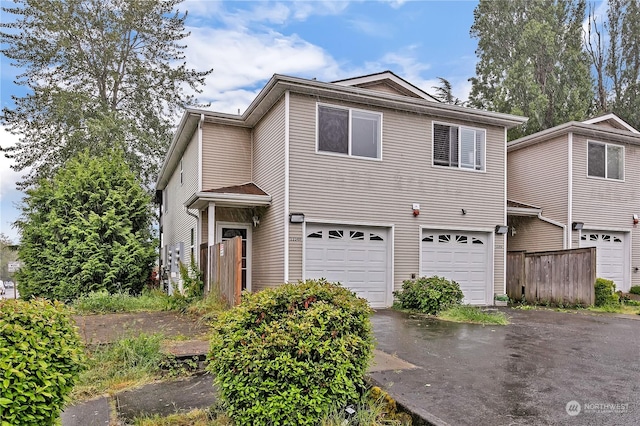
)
(525, 373)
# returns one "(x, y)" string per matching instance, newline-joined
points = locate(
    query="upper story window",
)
(349, 131)
(458, 146)
(606, 160)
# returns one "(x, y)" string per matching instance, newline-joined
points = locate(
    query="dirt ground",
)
(99, 329)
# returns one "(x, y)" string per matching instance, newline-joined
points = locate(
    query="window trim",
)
(606, 163)
(458, 167)
(351, 110)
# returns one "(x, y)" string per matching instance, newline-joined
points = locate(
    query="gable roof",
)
(590, 130)
(279, 84)
(390, 79)
(613, 121)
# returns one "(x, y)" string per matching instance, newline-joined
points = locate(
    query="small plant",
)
(375, 408)
(192, 283)
(41, 357)
(606, 293)
(501, 297)
(429, 295)
(288, 355)
(635, 289)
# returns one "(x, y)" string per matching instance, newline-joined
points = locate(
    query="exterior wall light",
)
(296, 217)
(635, 219)
(502, 229)
(576, 226)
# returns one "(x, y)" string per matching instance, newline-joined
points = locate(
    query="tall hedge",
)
(41, 357)
(288, 355)
(86, 229)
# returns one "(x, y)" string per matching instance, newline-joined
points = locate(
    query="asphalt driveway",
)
(545, 368)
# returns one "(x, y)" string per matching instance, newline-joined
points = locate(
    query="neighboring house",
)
(578, 185)
(367, 181)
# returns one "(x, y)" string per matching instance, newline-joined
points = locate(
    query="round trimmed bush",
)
(429, 295)
(290, 354)
(41, 357)
(605, 291)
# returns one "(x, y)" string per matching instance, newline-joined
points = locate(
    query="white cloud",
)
(241, 59)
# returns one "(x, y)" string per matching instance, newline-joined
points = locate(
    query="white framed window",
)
(349, 131)
(605, 160)
(459, 147)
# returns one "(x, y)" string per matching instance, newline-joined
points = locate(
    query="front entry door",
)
(227, 231)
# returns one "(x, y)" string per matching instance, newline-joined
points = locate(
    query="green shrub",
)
(635, 289)
(606, 292)
(429, 295)
(290, 354)
(41, 357)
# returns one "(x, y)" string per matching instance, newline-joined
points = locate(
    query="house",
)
(578, 185)
(367, 181)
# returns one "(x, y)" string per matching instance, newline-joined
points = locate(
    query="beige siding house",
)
(367, 181)
(576, 185)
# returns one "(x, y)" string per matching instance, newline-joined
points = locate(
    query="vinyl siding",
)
(226, 156)
(538, 175)
(356, 190)
(533, 234)
(608, 204)
(385, 88)
(177, 224)
(269, 174)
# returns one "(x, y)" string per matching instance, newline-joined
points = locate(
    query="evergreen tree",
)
(99, 73)
(85, 229)
(531, 61)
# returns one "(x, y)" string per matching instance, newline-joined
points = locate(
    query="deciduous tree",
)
(99, 74)
(85, 229)
(532, 61)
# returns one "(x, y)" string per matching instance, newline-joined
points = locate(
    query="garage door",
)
(461, 257)
(354, 256)
(610, 255)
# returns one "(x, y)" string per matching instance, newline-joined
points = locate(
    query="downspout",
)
(200, 152)
(568, 243)
(561, 225)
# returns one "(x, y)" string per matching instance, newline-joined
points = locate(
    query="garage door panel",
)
(612, 261)
(354, 256)
(461, 257)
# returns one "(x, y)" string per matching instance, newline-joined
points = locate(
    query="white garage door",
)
(461, 257)
(354, 256)
(610, 255)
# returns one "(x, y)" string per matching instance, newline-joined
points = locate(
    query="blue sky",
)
(246, 42)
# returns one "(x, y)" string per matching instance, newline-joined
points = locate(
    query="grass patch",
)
(129, 362)
(473, 314)
(101, 302)
(196, 417)
(207, 308)
(622, 308)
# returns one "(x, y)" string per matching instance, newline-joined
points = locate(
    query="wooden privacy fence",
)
(222, 269)
(561, 277)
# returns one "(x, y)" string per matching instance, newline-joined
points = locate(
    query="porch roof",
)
(245, 195)
(516, 208)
